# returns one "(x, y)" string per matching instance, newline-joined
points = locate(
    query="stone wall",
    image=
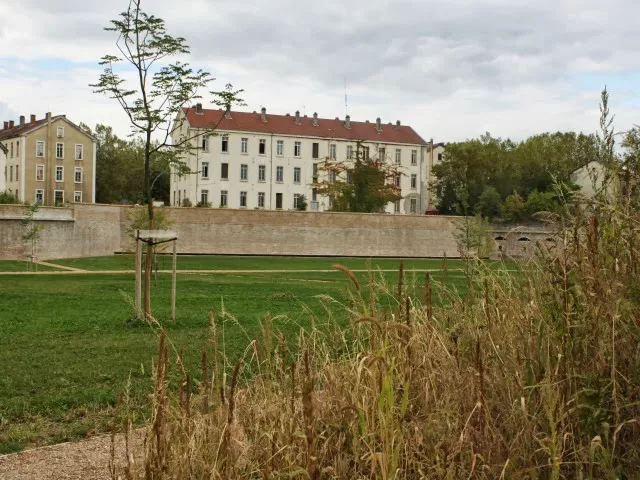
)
(95, 230)
(92, 230)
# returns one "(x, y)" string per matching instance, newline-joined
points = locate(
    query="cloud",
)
(452, 69)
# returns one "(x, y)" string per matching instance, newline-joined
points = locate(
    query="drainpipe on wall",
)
(271, 170)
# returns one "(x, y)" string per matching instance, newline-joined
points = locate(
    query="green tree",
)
(153, 102)
(8, 198)
(362, 184)
(513, 209)
(489, 203)
(120, 169)
(541, 202)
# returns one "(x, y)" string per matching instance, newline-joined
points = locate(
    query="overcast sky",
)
(452, 69)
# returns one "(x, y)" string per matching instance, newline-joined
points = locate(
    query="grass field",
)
(219, 262)
(68, 348)
(20, 266)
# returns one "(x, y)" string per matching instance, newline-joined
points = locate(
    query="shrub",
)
(186, 203)
(8, 198)
(489, 203)
(541, 202)
(203, 204)
(513, 208)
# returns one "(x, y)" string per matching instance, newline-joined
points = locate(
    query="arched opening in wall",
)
(524, 242)
(502, 244)
(500, 238)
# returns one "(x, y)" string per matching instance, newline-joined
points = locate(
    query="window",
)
(296, 200)
(315, 173)
(77, 197)
(382, 153)
(58, 197)
(204, 144)
(439, 157)
(11, 173)
(244, 145)
(40, 173)
(204, 197)
(297, 149)
(414, 157)
(278, 201)
(414, 180)
(396, 180)
(315, 150)
(179, 197)
(398, 156)
(262, 147)
(225, 143)
(261, 199)
(11, 145)
(349, 178)
(332, 176)
(314, 194)
(77, 175)
(279, 174)
(205, 170)
(40, 196)
(17, 177)
(244, 172)
(243, 199)
(59, 174)
(349, 152)
(18, 148)
(60, 132)
(262, 173)
(59, 150)
(332, 151)
(223, 198)
(296, 174)
(280, 148)
(365, 153)
(413, 208)
(330, 202)
(224, 171)
(39, 149)
(396, 206)
(79, 152)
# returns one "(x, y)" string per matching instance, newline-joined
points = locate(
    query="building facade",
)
(265, 161)
(50, 161)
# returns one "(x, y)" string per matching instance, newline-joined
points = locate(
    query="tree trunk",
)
(148, 264)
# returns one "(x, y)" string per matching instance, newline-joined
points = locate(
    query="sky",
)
(451, 69)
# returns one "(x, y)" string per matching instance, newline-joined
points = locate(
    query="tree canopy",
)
(501, 178)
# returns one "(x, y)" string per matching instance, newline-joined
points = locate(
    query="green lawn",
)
(67, 348)
(224, 262)
(22, 266)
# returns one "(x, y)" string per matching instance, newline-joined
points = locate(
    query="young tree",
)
(360, 184)
(153, 102)
(32, 232)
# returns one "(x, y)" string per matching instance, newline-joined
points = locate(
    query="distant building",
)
(270, 161)
(590, 179)
(435, 155)
(50, 161)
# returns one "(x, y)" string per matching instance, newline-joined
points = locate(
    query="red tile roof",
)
(18, 130)
(286, 125)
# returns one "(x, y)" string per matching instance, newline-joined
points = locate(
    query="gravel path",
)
(84, 460)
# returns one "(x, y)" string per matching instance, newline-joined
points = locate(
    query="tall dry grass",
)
(532, 374)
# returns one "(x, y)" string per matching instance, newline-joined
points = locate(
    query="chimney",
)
(199, 109)
(33, 118)
(21, 120)
(378, 124)
(10, 123)
(315, 119)
(6, 125)
(263, 114)
(48, 116)
(347, 121)
(227, 113)
(397, 123)
(298, 117)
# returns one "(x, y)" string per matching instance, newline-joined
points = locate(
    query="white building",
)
(269, 161)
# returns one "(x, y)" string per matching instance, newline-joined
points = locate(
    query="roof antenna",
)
(346, 104)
